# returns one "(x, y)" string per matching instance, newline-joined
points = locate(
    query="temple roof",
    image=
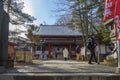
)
(56, 30)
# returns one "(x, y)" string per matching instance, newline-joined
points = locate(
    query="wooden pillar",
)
(48, 50)
(70, 51)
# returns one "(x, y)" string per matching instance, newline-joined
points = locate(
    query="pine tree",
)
(14, 9)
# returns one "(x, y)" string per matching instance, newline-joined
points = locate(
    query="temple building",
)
(53, 38)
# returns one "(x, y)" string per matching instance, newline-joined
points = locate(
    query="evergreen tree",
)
(31, 36)
(14, 9)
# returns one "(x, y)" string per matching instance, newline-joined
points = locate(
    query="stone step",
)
(60, 76)
(2, 69)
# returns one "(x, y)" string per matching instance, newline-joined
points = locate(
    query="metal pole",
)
(118, 41)
(118, 68)
(118, 54)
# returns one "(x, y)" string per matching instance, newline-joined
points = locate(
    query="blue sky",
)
(42, 10)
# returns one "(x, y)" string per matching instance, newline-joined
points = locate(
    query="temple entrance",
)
(56, 52)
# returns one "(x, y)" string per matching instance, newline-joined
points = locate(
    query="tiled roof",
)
(56, 30)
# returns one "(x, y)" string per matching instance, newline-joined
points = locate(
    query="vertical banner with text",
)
(109, 6)
(117, 19)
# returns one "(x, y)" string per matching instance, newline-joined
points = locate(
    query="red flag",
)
(109, 6)
(117, 19)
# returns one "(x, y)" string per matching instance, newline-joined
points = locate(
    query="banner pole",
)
(118, 56)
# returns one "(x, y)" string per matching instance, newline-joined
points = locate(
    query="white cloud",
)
(28, 7)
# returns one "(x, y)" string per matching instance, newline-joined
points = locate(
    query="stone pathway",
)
(60, 66)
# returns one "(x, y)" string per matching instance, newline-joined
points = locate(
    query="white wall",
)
(97, 50)
(40, 52)
(102, 49)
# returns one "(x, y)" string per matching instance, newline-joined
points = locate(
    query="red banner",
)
(109, 6)
(117, 19)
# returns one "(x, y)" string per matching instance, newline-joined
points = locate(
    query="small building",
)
(11, 51)
(22, 51)
(53, 38)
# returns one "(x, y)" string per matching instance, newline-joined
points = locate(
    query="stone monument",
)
(4, 30)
